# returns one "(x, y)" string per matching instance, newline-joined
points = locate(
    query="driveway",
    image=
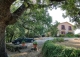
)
(26, 52)
(43, 39)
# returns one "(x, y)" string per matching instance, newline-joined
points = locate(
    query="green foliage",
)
(53, 29)
(69, 34)
(51, 49)
(62, 35)
(14, 31)
(37, 23)
(35, 42)
(23, 42)
(15, 5)
(77, 35)
(72, 8)
(30, 24)
(58, 40)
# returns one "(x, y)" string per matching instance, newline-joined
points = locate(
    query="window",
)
(69, 28)
(63, 27)
(62, 32)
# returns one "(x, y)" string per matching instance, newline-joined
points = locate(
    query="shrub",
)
(69, 34)
(58, 40)
(35, 42)
(62, 35)
(50, 49)
(77, 35)
(23, 42)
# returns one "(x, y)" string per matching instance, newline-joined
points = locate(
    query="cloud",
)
(57, 15)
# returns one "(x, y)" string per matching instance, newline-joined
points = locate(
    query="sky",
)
(56, 15)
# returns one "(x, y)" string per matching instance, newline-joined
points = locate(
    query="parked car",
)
(19, 40)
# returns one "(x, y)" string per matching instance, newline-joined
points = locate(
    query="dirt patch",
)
(26, 52)
(71, 43)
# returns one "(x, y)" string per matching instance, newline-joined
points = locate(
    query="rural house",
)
(64, 28)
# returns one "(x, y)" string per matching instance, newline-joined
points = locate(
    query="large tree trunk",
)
(2, 40)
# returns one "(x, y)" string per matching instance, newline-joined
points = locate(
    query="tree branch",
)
(23, 7)
(57, 0)
(16, 14)
(19, 11)
(40, 5)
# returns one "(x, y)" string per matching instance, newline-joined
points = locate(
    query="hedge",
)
(51, 49)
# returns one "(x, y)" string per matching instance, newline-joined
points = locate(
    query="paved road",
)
(42, 40)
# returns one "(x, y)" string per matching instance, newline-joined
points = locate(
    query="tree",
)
(53, 29)
(14, 31)
(72, 8)
(33, 23)
(37, 21)
(7, 17)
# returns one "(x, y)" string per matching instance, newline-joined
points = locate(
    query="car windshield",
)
(18, 38)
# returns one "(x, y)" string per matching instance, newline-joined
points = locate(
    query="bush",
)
(69, 34)
(62, 35)
(58, 40)
(35, 42)
(77, 35)
(54, 50)
(23, 42)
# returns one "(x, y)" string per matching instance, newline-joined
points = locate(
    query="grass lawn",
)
(71, 43)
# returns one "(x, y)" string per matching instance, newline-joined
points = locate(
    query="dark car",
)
(19, 40)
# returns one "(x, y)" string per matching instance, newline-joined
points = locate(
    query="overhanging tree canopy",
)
(7, 17)
(72, 8)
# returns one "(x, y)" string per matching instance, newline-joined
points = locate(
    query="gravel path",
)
(27, 52)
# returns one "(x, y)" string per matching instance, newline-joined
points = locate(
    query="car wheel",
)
(17, 43)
